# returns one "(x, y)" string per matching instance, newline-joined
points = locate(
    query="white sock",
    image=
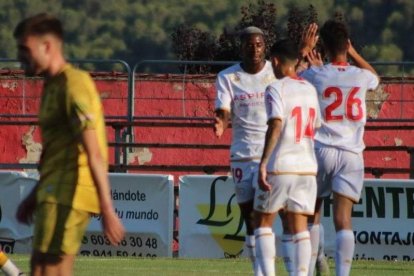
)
(265, 251)
(302, 252)
(314, 239)
(321, 248)
(345, 245)
(288, 252)
(10, 269)
(250, 244)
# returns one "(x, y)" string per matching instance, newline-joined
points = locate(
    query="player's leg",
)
(314, 232)
(266, 206)
(7, 266)
(345, 240)
(51, 264)
(301, 239)
(287, 245)
(300, 205)
(265, 244)
(322, 267)
(246, 210)
(57, 238)
(244, 174)
(326, 159)
(347, 186)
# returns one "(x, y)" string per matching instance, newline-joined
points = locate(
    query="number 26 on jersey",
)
(336, 111)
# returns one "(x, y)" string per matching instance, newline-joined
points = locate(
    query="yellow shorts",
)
(59, 229)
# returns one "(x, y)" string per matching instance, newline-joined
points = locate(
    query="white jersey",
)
(295, 103)
(342, 91)
(242, 94)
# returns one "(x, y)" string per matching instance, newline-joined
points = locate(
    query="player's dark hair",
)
(285, 50)
(335, 36)
(39, 24)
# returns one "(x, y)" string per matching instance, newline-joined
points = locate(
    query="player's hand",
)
(218, 127)
(112, 227)
(263, 184)
(309, 39)
(26, 209)
(314, 58)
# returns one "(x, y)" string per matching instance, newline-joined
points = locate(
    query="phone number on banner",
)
(97, 244)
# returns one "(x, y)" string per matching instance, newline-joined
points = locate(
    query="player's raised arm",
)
(358, 60)
(309, 39)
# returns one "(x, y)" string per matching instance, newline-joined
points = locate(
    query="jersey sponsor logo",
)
(224, 221)
(249, 96)
(234, 78)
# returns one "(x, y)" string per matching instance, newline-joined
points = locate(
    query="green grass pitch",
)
(174, 267)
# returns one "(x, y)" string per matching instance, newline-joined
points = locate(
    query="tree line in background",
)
(134, 30)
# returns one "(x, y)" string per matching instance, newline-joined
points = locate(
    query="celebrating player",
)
(339, 142)
(240, 95)
(288, 165)
(73, 167)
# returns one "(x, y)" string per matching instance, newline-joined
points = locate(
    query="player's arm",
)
(221, 121)
(112, 226)
(308, 40)
(307, 53)
(272, 136)
(359, 61)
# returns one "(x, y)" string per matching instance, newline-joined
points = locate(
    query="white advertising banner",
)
(14, 237)
(145, 204)
(210, 221)
(382, 221)
(211, 227)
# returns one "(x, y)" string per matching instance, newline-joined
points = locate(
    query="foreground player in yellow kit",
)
(73, 167)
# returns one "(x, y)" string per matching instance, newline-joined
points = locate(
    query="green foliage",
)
(190, 43)
(134, 30)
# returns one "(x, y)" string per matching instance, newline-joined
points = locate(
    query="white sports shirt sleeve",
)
(342, 92)
(295, 102)
(242, 94)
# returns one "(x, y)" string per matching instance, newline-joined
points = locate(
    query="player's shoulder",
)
(78, 80)
(230, 70)
(276, 84)
(76, 77)
(364, 71)
(313, 71)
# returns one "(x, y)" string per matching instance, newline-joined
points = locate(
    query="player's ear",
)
(45, 45)
(274, 61)
(348, 44)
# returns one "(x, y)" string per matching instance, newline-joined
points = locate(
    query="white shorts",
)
(294, 193)
(340, 171)
(245, 175)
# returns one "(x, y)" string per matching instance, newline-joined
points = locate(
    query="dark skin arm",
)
(221, 121)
